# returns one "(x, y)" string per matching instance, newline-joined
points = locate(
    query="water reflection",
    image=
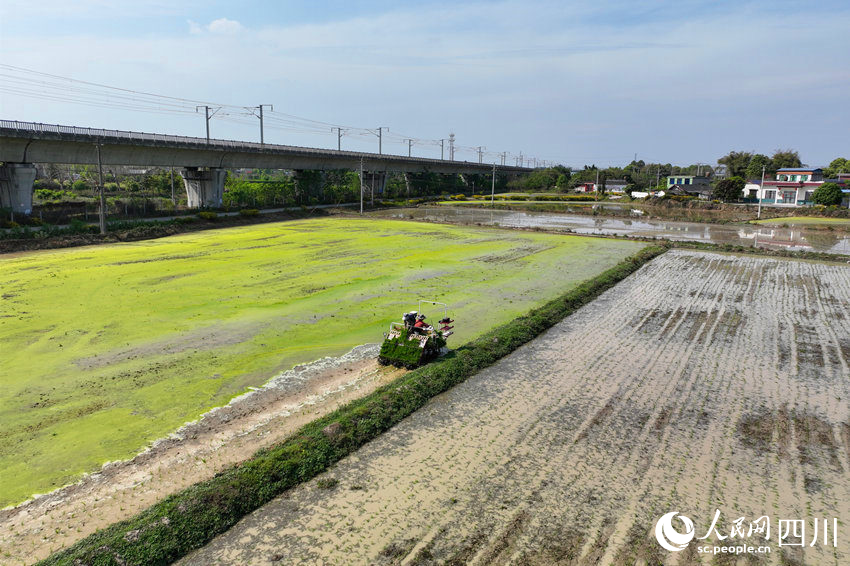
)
(745, 235)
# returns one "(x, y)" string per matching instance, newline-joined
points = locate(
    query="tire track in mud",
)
(669, 392)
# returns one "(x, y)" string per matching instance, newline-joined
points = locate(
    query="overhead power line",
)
(31, 84)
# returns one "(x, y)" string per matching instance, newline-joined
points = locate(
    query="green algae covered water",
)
(107, 348)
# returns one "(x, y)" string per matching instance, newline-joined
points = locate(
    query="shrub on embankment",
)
(188, 520)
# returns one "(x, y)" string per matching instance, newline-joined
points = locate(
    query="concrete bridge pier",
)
(375, 182)
(204, 187)
(16, 181)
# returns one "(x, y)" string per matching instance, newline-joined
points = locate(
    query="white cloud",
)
(221, 26)
(225, 26)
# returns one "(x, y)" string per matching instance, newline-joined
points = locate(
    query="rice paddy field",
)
(711, 385)
(106, 349)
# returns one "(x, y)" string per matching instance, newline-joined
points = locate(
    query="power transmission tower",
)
(260, 116)
(338, 138)
(380, 129)
(480, 147)
(207, 117)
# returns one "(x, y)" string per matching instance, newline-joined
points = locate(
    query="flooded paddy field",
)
(108, 348)
(776, 234)
(704, 383)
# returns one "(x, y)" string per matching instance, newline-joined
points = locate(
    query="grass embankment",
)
(524, 205)
(663, 210)
(108, 348)
(188, 520)
(45, 236)
(807, 222)
(691, 210)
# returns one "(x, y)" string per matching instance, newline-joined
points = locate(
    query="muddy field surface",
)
(197, 451)
(702, 383)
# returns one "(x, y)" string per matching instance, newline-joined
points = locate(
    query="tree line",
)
(263, 188)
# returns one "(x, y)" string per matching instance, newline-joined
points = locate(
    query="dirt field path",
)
(704, 382)
(196, 452)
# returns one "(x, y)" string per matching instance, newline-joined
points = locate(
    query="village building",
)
(793, 186)
(616, 186)
(689, 185)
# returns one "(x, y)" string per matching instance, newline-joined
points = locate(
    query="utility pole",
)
(596, 186)
(761, 189)
(441, 150)
(338, 138)
(479, 153)
(409, 146)
(207, 117)
(380, 130)
(451, 146)
(493, 187)
(504, 155)
(361, 186)
(260, 116)
(102, 212)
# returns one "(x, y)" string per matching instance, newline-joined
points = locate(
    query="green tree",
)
(563, 181)
(758, 161)
(783, 158)
(838, 165)
(828, 194)
(80, 186)
(730, 189)
(737, 162)
(159, 182)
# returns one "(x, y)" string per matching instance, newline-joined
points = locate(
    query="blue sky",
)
(570, 82)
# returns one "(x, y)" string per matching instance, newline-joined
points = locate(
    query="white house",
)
(793, 186)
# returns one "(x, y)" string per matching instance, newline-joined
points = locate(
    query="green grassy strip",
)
(188, 520)
(750, 250)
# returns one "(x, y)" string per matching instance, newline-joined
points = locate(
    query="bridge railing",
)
(40, 128)
(106, 135)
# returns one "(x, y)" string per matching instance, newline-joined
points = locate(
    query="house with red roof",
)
(793, 186)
